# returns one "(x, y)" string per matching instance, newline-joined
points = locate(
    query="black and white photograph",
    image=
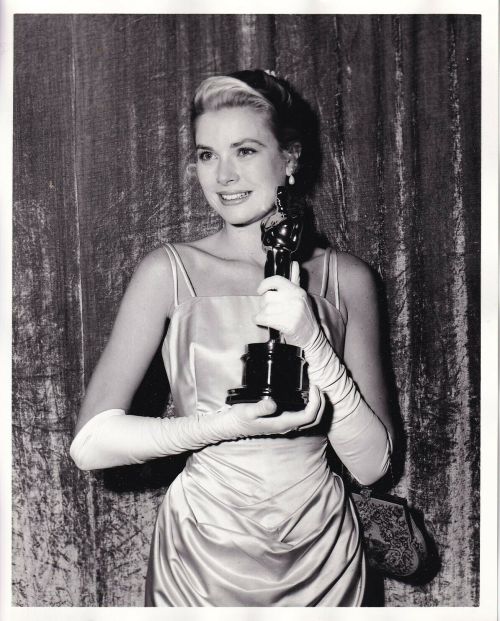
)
(246, 344)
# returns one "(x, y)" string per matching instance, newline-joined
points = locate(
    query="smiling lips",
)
(234, 198)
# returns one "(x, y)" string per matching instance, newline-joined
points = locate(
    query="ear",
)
(292, 154)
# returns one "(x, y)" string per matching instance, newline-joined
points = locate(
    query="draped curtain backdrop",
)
(101, 145)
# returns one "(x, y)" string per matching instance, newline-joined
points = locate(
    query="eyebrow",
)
(235, 144)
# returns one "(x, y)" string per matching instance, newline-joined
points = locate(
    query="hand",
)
(256, 419)
(286, 307)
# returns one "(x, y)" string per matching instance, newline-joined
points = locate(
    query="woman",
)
(256, 518)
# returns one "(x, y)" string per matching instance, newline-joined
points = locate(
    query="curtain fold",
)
(102, 144)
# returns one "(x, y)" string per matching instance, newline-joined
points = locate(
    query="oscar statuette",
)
(275, 369)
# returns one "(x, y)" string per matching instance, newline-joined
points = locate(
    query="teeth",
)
(233, 197)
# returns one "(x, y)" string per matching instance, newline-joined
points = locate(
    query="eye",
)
(246, 151)
(205, 156)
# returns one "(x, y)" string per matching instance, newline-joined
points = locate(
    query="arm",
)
(358, 434)
(112, 438)
(134, 339)
(106, 437)
(362, 355)
(360, 440)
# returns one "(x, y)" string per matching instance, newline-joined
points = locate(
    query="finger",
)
(314, 396)
(313, 410)
(284, 423)
(261, 319)
(291, 420)
(269, 313)
(318, 414)
(295, 274)
(268, 320)
(264, 407)
(314, 402)
(269, 297)
(273, 282)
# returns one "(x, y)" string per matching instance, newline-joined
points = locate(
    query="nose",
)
(226, 172)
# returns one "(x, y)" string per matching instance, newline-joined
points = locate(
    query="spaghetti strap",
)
(326, 274)
(335, 275)
(173, 264)
(180, 264)
(330, 270)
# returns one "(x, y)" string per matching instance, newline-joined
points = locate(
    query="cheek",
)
(269, 171)
(205, 179)
(278, 166)
(204, 176)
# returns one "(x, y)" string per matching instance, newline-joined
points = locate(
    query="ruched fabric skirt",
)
(230, 535)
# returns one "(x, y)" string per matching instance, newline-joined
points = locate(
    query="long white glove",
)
(358, 436)
(113, 438)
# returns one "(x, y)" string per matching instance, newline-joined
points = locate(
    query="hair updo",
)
(290, 117)
(255, 89)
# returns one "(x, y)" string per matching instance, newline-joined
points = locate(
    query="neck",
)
(243, 242)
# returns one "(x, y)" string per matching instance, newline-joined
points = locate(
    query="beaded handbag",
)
(394, 545)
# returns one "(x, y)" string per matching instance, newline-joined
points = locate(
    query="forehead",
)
(232, 125)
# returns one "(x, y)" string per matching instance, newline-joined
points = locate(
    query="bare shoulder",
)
(155, 268)
(153, 278)
(353, 269)
(357, 285)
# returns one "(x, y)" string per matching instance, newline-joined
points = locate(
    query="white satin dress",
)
(256, 521)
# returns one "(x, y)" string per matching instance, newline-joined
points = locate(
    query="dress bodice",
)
(206, 340)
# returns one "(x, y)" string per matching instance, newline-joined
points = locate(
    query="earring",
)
(291, 180)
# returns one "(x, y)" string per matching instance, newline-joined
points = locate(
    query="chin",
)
(246, 220)
(242, 222)
(241, 217)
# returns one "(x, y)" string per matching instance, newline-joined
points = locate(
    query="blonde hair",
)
(255, 89)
